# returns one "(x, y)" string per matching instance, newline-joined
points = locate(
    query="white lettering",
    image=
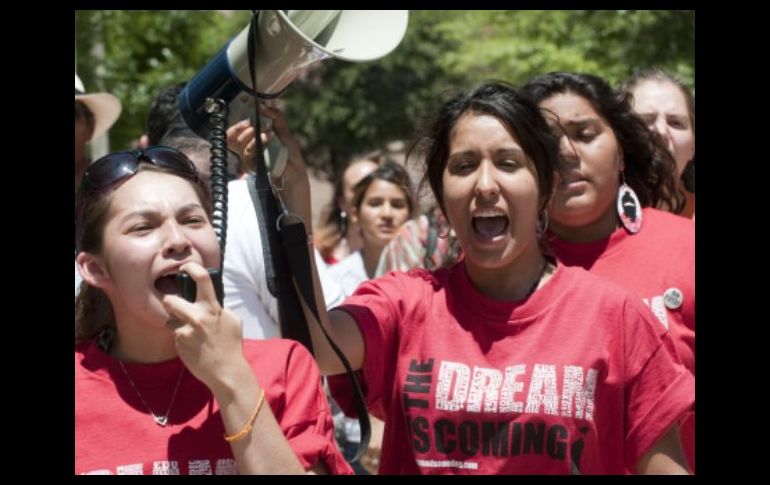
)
(226, 467)
(508, 401)
(489, 390)
(583, 394)
(542, 390)
(484, 386)
(446, 376)
(658, 307)
(165, 467)
(200, 467)
(133, 469)
(470, 465)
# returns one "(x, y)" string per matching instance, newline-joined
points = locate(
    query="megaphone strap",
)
(295, 241)
(295, 253)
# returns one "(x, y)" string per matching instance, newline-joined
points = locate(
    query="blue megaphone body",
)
(286, 41)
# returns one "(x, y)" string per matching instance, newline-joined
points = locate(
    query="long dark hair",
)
(656, 74)
(515, 111)
(333, 227)
(93, 310)
(391, 172)
(649, 168)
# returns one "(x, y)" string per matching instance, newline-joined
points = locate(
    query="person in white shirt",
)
(382, 203)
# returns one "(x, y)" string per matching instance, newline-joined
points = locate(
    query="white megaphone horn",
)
(286, 41)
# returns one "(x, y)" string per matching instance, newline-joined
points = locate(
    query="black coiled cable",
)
(217, 110)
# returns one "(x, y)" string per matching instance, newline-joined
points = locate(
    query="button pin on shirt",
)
(673, 298)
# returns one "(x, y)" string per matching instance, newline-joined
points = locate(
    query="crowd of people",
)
(539, 318)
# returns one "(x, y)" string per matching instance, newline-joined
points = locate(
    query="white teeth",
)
(489, 213)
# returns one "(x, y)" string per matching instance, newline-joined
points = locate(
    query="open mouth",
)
(167, 284)
(488, 228)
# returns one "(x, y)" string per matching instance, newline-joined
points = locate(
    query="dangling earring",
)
(105, 339)
(629, 208)
(343, 222)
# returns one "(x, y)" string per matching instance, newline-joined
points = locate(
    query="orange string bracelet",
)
(249, 424)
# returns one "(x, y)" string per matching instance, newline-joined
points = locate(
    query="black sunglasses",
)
(118, 166)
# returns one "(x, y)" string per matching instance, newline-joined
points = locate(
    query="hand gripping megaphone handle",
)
(275, 154)
(284, 43)
(277, 157)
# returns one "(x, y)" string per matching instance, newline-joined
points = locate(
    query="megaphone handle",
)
(276, 157)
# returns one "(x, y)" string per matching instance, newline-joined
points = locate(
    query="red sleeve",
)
(303, 412)
(378, 307)
(341, 390)
(659, 391)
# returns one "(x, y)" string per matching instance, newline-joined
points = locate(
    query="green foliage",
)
(518, 45)
(338, 108)
(352, 108)
(349, 108)
(145, 51)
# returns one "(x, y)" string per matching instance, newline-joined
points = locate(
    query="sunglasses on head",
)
(118, 166)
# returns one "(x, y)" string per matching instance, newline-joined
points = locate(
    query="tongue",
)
(490, 227)
(166, 285)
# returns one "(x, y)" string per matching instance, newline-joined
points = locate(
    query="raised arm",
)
(210, 343)
(296, 195)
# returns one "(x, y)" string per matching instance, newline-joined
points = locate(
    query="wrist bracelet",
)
(249, 424)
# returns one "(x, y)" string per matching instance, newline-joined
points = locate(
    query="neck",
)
(514, 281)
(353, 236)
(142, 342)
(371, 256)
(593, 231)
(689, 206)
(80, 167)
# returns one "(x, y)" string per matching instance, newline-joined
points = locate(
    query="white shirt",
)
(349, 273)
(244, 280)
(78, 279)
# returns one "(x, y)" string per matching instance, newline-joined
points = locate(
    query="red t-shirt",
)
(114, 434)
(660, 257)
(576, 378)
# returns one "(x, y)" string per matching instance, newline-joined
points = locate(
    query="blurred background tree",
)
(339, 109)
(134, 53)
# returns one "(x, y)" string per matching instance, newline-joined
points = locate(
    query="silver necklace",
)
(163, 419)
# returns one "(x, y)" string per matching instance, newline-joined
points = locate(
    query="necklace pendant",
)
(161, 420)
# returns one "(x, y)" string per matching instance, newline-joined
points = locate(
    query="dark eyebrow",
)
(145, 214)
(189, 208)
(513, 152)
(461, 153)
(581, 122)
(148, 213)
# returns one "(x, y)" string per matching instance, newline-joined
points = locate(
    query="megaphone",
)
(285, 42)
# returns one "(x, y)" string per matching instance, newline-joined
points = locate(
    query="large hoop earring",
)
(443, 228)
(628, 207)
